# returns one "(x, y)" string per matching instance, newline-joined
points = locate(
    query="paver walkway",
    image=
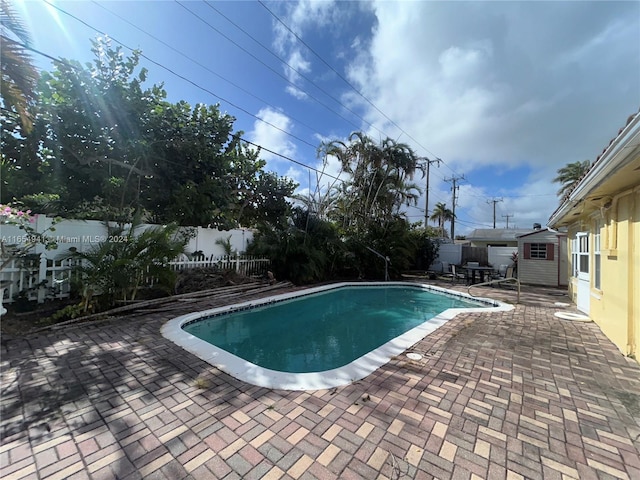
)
(515, 395)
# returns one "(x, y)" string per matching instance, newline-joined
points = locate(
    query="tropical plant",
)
(441, 214)
(570, 175)
(117, 267)
(107, 144)
(308, 250)
(427, 247)
(377, 183)
(19, 76)
(226, 245)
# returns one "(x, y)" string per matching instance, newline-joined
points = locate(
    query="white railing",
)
(243, 264)
(36, 278)
(40, 278)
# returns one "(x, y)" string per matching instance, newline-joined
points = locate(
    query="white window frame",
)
(597, 259)
(538, 251)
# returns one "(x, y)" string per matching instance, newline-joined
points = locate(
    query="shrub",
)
(118, 267)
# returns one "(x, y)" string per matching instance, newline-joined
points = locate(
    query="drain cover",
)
(572, 316)
(414, 356)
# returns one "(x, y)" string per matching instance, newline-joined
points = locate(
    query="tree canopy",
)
(105, 145)
(378, 181)
(18, 75)
(441, 214)
(569, 175)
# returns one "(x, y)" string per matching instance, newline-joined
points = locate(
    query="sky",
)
(502, 92)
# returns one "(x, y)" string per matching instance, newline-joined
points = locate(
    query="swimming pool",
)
(320, 337)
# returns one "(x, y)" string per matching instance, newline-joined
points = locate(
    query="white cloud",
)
(500, 83)
(524, 87)
(300, 16)
(271, 135)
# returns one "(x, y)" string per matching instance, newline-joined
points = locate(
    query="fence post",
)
(237, 263)
(42, 276)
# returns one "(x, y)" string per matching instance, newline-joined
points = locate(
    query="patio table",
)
(481, 270)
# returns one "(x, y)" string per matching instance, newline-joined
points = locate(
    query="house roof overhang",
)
(616, 170)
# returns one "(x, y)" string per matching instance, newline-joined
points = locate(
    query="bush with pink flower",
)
(19, 245)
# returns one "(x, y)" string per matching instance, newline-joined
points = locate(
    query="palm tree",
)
(378, 183)
(569, 175)
(441, 214)
(19, 76)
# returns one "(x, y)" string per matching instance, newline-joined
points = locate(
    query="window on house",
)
(583, 246)
(538, 251)
(574, 257)
(596, 256)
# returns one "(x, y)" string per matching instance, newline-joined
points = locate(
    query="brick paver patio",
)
(516, 395)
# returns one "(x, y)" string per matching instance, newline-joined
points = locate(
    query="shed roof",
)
(497, 234)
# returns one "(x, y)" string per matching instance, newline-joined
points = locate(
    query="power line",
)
(454, 189)
(267, 66)
(186, 79)
(298, 72)
(426, 202)
(340, 75)
(292, 160)
(77, 68)
(182, 54)
(350, 84)
(183, 77)
(494, 201)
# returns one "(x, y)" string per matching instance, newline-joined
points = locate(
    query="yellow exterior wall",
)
(616, 310)
(615, 307)
(634, 277)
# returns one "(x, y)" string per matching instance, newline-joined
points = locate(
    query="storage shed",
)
(542, 258)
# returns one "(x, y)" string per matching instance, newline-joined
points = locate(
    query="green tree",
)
(107, 146)
(19, 76)
(441, 214)
(308, 250)
(95, 122)
(203, 174)
(569, 175)
(378, 180)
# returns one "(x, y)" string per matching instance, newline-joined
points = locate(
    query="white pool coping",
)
(356, 370)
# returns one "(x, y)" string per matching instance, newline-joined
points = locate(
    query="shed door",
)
(582, 272)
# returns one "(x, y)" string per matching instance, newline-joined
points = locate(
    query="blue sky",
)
(505, 93)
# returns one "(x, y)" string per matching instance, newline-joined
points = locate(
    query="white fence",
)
(83, 234)
(37, 277)
(243, 264)
(452, 254)
(449, 254)
(501, 255)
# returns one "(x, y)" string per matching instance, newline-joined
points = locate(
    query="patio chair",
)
(457, 275)
(509, 273)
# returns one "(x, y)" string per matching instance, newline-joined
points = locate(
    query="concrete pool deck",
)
(510, 395)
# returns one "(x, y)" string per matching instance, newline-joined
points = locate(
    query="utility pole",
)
(426, 203)
(494, 201)
(508, 217)
(454, 189)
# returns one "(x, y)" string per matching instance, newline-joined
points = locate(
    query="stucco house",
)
(496, 237)
(602, 217)
(542, 258)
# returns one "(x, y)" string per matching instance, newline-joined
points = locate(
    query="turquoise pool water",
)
(325, 330)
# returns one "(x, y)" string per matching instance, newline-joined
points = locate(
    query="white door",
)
(582, 272)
